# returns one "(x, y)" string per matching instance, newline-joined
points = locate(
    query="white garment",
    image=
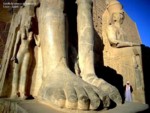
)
(128, 95)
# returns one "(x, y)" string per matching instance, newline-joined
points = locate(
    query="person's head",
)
(28, 23)
(128, 83)
(30, 14)
(31, 3)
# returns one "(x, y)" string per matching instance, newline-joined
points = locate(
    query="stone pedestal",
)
(33, 106)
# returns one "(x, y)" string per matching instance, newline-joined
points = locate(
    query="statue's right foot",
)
(18, 95)
(66, 90)
(104, 86)
(14, 96)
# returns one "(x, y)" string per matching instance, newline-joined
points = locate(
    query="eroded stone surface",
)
(50, 80)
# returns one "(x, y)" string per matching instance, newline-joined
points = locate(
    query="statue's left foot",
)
(13, 96)
(104, 86)
(64, 89)
(23, 97)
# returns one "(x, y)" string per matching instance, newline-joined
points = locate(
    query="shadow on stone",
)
(146, 63)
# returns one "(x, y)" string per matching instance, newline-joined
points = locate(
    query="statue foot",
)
(62, 88)
(18, 96)
(104, 86)
(14, 94)
(14, 97)
(23, 97)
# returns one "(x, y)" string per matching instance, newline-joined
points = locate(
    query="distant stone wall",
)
(99, 7)
(131, 30)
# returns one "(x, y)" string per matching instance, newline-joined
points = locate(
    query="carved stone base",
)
(33, 106)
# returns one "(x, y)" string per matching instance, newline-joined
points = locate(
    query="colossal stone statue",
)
(38, 42)
(59, 85)
(72, 92)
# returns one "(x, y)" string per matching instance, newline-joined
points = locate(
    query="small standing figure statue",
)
(128, 92)
(22, 53)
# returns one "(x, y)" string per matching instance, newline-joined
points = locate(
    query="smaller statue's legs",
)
(16, 75)
(20, 73)
(23, 75)
(86, 54)
(15, 81)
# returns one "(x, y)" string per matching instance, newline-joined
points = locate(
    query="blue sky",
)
(139, 11)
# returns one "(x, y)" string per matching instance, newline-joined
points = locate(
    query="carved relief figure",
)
(114, 31)
(23, 50)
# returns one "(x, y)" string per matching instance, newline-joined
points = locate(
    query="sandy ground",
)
(32, 106)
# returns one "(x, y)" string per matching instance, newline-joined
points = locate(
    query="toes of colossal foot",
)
(83, 102)
(94, 102)
(71, 97)
(104, 97)
(116, 98)
(58, 98)
(94, 98)
(113, 93)
(106, 101)
(83, 99)
(71, 102)
(60, 102)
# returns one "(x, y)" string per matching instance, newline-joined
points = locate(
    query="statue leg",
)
(15, 80)
(16, 74)
(23, 75)
(60, 86)
(86, 54)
